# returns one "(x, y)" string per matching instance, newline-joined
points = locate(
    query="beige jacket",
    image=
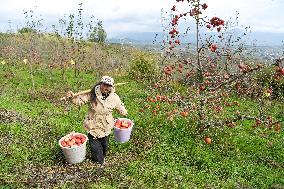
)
(99, 121)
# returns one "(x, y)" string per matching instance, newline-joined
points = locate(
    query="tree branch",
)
(233, 79)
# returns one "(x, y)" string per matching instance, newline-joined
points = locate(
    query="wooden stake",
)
(87, 91)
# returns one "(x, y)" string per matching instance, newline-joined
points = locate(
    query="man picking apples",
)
(99, 121)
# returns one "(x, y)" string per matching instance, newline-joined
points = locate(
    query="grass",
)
(160, 154)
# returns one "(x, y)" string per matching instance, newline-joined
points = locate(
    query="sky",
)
(121, 16)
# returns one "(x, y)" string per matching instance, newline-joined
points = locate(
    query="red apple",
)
(282, 71)
(124, 124)
(213, 47)
(83, 140)
(66, 139)
(72, 141)
(208, 140)
(202, 88)
(78, 140)
(184, 114)
(204, 6)
(64, 144)
(117, 123)
(177, 42)
(129, 123)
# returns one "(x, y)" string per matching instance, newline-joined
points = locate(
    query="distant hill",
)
(260, 38)
(136, 38)
(268, 38)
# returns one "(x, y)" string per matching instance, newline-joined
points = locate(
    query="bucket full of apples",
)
(122, 129)
(73, 146)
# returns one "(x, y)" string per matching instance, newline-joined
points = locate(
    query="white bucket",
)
(74, 154)
(123, 135)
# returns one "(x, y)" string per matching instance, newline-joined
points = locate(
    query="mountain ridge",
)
(259, 38)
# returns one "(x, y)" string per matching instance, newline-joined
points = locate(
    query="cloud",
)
(137, 15)
(258, 14)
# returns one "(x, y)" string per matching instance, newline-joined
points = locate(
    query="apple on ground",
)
(207, 140)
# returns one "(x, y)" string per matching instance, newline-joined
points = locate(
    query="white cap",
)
(107, 80)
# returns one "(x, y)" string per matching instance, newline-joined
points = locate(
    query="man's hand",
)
(125, 114)
(69, 95)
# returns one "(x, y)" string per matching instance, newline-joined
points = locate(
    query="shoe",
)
(103, 164)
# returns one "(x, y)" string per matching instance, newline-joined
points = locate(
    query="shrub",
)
(26, 30)
(143, 67)
(266, 78)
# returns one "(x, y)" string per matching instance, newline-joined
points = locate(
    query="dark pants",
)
(99, 148)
